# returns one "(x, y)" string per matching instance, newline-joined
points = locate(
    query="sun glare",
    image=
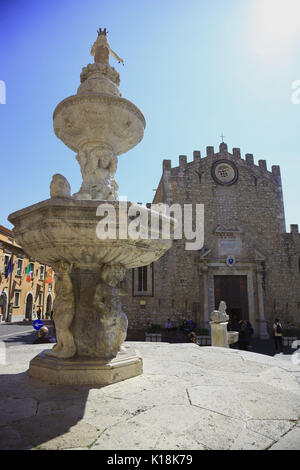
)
(276, 26)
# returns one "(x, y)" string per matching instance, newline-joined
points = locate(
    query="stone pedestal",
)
(219, 334)
(86, 370)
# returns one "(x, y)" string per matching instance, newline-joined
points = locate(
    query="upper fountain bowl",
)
(98, 118)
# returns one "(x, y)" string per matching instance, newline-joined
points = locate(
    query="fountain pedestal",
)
(219, 335)
(86, 371)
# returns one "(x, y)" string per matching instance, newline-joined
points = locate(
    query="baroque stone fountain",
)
(98, 124)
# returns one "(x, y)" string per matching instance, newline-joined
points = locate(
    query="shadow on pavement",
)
(34, 414)
(22, 338)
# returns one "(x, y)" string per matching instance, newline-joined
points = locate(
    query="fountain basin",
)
(98, 118)
(65, 229)
(89, 274)
(232, 336)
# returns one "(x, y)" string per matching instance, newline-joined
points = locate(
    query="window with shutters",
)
(142, 281)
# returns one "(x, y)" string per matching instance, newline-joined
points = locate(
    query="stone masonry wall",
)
(252, 209)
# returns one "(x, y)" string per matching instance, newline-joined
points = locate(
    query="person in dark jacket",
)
(245, 333)
(277, 330)
(43, 336)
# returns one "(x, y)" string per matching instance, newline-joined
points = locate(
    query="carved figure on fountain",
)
(64, 311)
(98, 167)
(60, 187)
(112, 319)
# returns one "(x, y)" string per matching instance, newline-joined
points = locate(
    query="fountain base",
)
(86, 371)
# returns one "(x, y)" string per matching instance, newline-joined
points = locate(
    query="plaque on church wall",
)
(229, 247)
(224, 172)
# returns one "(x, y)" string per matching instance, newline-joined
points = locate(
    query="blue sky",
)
(196, 69)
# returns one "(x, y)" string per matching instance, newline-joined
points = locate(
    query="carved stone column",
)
(262, 323)
(205, 293)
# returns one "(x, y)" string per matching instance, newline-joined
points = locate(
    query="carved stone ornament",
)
(220, 315)
(60, 187)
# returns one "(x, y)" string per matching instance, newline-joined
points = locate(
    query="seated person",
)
(43, 336)
(192, 337)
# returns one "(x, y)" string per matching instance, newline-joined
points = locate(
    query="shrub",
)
(154, 328)
(202, 332)
(291, 332)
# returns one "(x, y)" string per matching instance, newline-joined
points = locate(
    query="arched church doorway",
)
(3, 305)
(28, 307)
(49, 303)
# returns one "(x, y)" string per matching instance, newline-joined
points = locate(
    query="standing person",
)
(168, 326)
(277, 329)
(39, 313)
(230, 323)
(185, 327)
(191, 325)
(53, 324)
(245, 332)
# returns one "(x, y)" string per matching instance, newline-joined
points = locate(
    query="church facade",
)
(247, 258)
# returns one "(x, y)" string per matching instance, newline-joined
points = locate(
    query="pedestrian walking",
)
(168, 326)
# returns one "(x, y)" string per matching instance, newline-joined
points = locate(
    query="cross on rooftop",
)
(222, 137)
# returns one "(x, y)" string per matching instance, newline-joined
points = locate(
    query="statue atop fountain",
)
(98, 124)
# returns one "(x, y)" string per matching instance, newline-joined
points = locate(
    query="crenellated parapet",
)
(294, 228)
(261, 166)
(257, 175)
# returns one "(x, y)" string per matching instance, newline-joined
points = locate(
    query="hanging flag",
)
(28, 273)
(9, 268)
(49, 276)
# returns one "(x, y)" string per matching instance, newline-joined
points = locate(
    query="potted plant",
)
(289, 335)
(153, 333)
(203, 337)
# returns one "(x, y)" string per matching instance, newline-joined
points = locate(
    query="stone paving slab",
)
(290, 441)
(188, 398)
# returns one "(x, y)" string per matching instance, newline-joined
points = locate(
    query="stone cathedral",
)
(247, 258)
